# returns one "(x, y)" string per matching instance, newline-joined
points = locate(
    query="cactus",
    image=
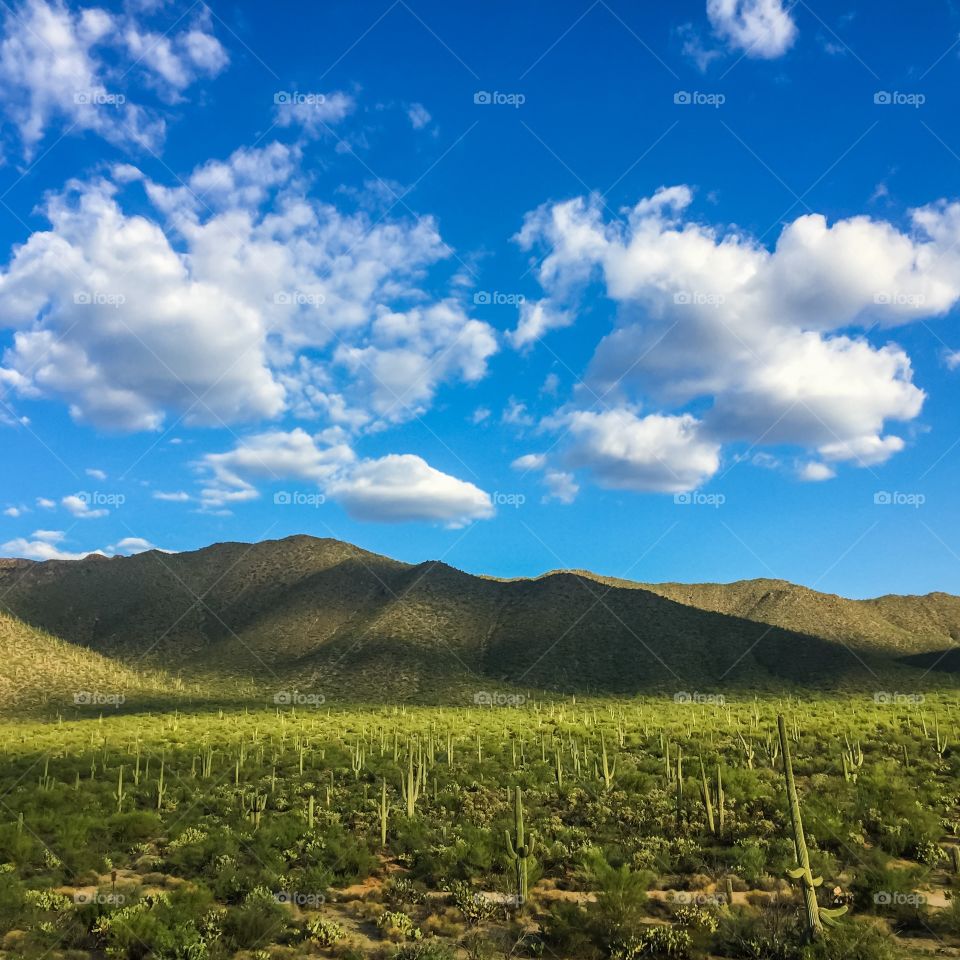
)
(161, 787)
(253, 806)
(609, 772)
(707, 800)
(119, 795)
(384, 813)
(410, 785)
(817, 916)
(520, 849)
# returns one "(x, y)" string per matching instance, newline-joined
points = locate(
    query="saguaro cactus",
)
(520, 849)
(816, 915)
(384, 813)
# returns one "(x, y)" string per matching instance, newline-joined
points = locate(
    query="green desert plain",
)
(298, 748)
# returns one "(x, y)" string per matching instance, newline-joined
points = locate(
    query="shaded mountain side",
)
(328, 614)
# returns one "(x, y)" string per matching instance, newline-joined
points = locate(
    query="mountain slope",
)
(327, 615)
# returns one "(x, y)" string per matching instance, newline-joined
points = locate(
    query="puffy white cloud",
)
(394, 488)
(60, 65)
(653, 453)
(95, 473)
(243, 298)
(561, 486)
(46, 545)
(760, 28)
(536, 318)
(815, 472)
(79, 505)
(760, 340)
(404, 487)
(12, 511)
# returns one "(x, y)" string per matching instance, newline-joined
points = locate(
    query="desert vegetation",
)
(523, 827)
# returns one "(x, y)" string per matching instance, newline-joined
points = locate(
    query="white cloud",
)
(516, 413)
(177, 496)
(43, 546)
(418, 115)
(73, 67)
(654, 453)
(12, 512)
(762, 340)
(79, 505)
(760, 28)
(394, 488)
(46, 504)
(536, 318)
(243, 298)
(529, 461)
(315, 113)
(95, 473)
(129, 546)
(404, 487)
(815, 472)
(952, 359)
(561, 486)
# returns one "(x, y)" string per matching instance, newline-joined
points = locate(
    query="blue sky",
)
(666, 291)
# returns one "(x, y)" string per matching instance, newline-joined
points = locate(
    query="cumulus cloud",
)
(174, 496)
(76, 67)
(391, 489)
(653, 453)
(238, 299)
(760, 28)
(814, 472)
(418, 116)
(47, 545)
(529, 461)
(79, 505)
(404, 487)
(764, 342)
(561, 486)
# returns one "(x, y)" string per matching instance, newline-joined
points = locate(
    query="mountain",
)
(325, 616)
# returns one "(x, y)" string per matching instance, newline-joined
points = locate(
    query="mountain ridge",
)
(319, 610)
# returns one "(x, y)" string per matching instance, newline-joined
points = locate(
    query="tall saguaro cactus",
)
(816, 915)
(520, 849)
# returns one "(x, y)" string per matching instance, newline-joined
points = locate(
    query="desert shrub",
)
(258, 921)
(396, 925)
(565, 927)
(854, 940)
(621, 899)
(325, 932)
(656, 942)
